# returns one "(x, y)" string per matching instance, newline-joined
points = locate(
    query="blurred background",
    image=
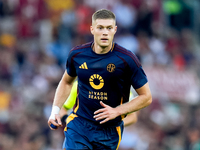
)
(36, 36)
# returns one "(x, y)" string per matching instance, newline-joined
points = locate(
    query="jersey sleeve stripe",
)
(72, 58)
(129, 53)
(81, 46)
(125, 63)
(75, 55)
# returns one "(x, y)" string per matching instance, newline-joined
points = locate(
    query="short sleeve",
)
(138, 77)
(70, 65)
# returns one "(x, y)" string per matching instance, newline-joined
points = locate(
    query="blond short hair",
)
(103, 14)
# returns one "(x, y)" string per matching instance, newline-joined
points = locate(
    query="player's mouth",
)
(104, 39)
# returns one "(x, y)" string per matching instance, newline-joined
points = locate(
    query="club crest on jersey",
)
(111, 67)
(96, 81)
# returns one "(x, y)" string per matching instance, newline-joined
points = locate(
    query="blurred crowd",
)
(35, 39)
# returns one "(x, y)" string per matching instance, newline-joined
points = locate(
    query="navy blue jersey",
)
(103, 77)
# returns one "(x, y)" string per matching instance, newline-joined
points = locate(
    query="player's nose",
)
(105, 32)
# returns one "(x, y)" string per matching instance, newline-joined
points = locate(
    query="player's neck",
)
(101, 50)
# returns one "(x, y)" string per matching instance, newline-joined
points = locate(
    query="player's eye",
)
(99, 28)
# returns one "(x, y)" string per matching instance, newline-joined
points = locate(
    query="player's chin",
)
(104, 44)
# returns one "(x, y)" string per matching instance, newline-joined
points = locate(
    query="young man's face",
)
(103, 31)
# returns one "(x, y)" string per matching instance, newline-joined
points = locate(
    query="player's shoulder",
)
(80, 48)
(123, 51)
(127, 55)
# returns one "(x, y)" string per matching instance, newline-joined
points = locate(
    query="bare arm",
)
(143, 99)
(130, 119)
(63, 90)
(61, 94)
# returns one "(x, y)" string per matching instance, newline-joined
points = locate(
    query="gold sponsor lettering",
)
(98, 95)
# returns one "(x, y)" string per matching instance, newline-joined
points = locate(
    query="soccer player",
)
(105, 73)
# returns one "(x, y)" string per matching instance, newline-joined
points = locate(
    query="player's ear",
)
(92, 29)
(115, 29)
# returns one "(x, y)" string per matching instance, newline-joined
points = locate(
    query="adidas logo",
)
(83, 66)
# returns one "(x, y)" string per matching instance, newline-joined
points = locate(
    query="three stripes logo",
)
(83, 66)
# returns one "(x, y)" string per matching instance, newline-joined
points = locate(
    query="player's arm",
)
(63, 114)
(69, 103)
(130, 119)
(143, 99)
(61, 94)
